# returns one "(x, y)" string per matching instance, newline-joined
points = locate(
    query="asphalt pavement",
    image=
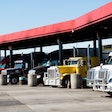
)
(21, 98)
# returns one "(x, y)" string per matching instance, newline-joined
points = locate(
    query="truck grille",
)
(90, 74)
(10, 72)
(102, 77)
(51, 73)
(103, 74)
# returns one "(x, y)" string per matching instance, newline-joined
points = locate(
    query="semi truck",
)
(103, 80)
(60, 75)
(100, 77)
(5, 62)
(94, 71)
(106, 57)
(41, 68)
(19, 70)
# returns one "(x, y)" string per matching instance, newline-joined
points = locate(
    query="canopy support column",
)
(41, 50)
(5, 53)
(94, 46)
(60, 52)
(10, 56)
(99, 48)
(0, 56)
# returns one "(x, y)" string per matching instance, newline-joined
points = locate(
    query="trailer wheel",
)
(14, 80)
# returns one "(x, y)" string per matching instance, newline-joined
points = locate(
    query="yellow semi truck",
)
(60, 75)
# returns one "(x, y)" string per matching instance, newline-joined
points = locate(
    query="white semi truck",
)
(100, 77)
(103, 80)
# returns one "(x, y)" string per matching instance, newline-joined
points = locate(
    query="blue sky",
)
(18, 15)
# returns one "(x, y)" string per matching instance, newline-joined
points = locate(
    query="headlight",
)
(38, 76)
(109, 86)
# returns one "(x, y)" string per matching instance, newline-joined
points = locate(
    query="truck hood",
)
(67, 69)
(38, 70)
(39, 67)
(95, 68)
(8, 69)
(106, 67)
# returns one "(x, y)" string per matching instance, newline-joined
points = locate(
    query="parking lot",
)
(21, 98)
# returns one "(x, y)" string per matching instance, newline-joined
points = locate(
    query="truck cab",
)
(41, 68)
(19, 70)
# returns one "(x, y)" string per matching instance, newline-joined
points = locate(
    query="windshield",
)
(49, 63)
(109, 61)
(54, 62)
(2, 65)
(18, 65)
(45, 63)
(110, 81)
(73, 62)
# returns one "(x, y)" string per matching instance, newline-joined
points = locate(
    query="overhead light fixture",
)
(105, 28)
(72, 30)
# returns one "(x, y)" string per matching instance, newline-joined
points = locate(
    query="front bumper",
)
(51, 82)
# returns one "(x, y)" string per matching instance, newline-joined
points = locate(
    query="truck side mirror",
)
(65, 62)
(83, 63)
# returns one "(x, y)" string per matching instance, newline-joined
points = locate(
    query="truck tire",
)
(110, 93)
(66, 82)
(84, 83)
(14, 80)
